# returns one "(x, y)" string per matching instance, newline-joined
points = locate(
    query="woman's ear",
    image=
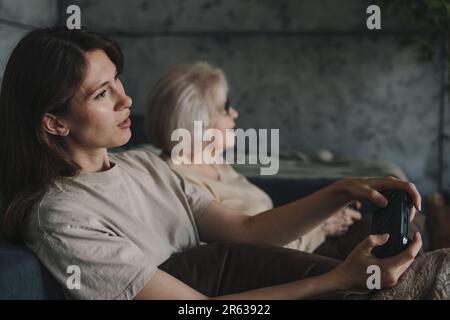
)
(55, 125)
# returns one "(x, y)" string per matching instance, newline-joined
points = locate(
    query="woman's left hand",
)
(356, 188)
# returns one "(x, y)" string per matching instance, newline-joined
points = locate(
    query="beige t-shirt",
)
(117, 226)
(235, 191)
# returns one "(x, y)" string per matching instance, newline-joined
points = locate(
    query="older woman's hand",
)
(339, 223)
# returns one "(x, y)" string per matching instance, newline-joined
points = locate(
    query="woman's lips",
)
(125, 124)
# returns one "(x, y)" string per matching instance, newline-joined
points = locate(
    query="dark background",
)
(308, 67)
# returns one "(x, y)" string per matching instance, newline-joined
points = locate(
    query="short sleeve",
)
(199, 198)
(110, 266)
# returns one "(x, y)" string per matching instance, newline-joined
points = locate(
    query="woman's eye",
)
(100, 95)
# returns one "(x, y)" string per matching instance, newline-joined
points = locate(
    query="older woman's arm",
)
(284, 224)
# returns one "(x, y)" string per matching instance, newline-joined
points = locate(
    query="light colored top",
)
(117, 226)
(232, 189)
(235, 191)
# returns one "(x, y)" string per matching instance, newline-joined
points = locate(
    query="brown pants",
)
(224, 268)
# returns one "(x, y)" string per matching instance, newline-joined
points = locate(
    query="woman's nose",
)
(125, 101)
(129, 101)
(233, 113)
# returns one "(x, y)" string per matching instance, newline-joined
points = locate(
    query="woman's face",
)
(225, 120)
(100, 110)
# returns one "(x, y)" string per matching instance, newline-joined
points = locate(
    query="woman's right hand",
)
(352, 273)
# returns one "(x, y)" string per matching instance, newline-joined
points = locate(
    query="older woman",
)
(199, 92)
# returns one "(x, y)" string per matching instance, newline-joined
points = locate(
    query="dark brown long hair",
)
(43, 72)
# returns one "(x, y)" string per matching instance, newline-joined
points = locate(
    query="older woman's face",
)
(100, 110)
(225, 120)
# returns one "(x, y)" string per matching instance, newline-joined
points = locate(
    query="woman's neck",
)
(91, 161)
(207, 170)
(188, 161)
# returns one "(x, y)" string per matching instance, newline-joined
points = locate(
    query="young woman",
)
(121, 218)
(199, 92)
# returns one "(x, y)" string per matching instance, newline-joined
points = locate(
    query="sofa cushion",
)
(22, 276)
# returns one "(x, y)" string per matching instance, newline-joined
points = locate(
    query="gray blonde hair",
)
(186, 93)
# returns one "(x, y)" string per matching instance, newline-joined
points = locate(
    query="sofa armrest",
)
(285, 190)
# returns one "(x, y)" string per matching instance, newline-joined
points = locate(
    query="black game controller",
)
(392, 219)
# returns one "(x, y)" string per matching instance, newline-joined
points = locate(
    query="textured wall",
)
(327, 84)
(26, 12)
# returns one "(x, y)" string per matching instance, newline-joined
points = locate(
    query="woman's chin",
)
(124, 139)
(229, 145)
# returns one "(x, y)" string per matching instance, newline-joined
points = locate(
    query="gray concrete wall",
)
(304, 66)
(26, 14)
